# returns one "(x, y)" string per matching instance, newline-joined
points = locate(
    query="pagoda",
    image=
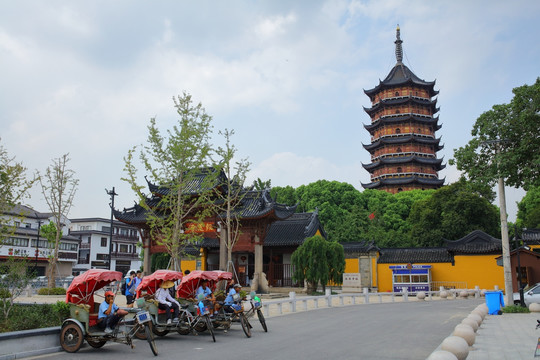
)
(403, 145)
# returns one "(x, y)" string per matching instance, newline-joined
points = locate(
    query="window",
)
(399, 169)
(398, 150)
(399, 190)
(397, 93)
(103, 242)
(15, 241)
(67, 246)
(397, 111)
(124, 248)
(398, 131)
(28, 225)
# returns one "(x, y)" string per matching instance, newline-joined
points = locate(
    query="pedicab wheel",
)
(158, 332)
(200, 326)
(262, 320)
(245, 324)
(71, 337)
(150, 339)
(141, 331)
(182, 330)
(96, 343)
(210, 327)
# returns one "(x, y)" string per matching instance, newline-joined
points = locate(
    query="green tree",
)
(16, 278)
(452, 212)
(231, 194)
(284, 195)
(505, 142)
(262, 185)
(14, 188)
(176, 161)
(528, 215)
(318, 261)
(58, 186)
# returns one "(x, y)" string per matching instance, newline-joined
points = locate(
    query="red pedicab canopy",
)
(82, 288)
(151, 283)
(191, 282)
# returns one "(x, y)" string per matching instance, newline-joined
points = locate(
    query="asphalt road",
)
(376, 331)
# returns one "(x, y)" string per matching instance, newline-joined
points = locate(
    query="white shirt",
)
(162, 295)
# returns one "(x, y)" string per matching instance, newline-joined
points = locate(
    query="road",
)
(376, 331)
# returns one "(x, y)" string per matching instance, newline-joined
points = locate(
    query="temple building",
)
(403, 145)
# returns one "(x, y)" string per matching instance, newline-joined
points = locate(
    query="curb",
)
(26, 343)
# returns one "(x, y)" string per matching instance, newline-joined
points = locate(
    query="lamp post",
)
(37, 243)
(112, 194)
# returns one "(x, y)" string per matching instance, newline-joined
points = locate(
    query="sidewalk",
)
(506, 337)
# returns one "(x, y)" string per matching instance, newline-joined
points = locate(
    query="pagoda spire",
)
(399, 50)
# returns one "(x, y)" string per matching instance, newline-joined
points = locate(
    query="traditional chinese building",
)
(256, 210)
(403, 145)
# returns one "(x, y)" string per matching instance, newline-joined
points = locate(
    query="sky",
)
(85, 77)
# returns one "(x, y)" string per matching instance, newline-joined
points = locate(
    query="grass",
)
(515, 309)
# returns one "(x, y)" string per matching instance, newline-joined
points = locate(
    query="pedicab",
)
(196, 319)
(222, 318)
(145, 300)
(82, 324)
(256, 308)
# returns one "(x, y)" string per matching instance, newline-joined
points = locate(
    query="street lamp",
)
(37, 243)
(112, 194)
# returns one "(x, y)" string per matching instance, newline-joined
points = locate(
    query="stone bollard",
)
(477, 292)
(292, 297)
(405, 295)
(421, 295)
(443, 294)
(457, 346)
(496, 287)
(366, 295)
(463, 294)
(442, 355)
(476, 318)
(472, 323)
(466, 332)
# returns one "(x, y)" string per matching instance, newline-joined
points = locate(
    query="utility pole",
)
(112, 194)
(507, 267)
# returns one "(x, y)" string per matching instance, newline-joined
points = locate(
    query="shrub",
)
(4, 293)
(515, 309)
(62, 310)
(35, 316)
(52, 291)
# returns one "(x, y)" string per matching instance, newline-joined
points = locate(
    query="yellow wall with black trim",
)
(468, 270)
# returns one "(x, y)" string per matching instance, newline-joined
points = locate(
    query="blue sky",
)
(85, 77)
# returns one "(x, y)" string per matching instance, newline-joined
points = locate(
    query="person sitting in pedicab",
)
(166, 301)
(229, 300)
(109, 313)
(209, 300)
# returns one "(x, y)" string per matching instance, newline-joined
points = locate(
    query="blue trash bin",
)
(494, 302)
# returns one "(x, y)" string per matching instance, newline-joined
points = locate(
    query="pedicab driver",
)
(229, 300)
(209, 299)
(166, 302)
(109, 313)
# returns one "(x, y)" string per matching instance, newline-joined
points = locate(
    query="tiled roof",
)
(414, 255)
(294, 230)
(195, 184)
(531, 236)
(401, 75)
(405, 159)
(403, 100)
(402, 140)
(405, 118)
(359, 246)
(254, 205)
(476, 242)
(404, 181)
